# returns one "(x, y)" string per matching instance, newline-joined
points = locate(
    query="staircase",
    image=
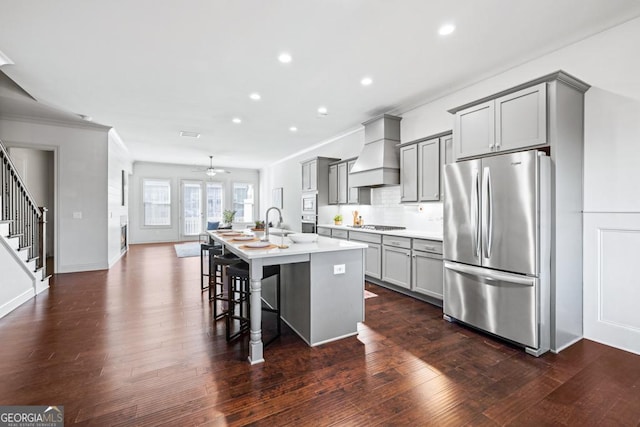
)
(22, 240)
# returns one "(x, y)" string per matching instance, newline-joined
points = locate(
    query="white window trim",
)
(142, 211)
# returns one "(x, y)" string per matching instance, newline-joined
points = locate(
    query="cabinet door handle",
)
(491, 146)
(430, 248)
(435, 195)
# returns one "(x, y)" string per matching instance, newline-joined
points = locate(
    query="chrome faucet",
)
(266, 222)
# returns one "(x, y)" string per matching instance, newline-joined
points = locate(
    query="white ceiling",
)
(152, 68)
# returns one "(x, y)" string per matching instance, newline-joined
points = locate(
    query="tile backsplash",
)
(385, 209)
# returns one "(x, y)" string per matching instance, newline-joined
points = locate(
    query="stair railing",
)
(28, 222)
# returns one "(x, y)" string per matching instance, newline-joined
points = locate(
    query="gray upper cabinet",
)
(474, 130)
(409, 173)
(509, 122)
(343, 188)
(521, 118)
(340, 191)
(333, 184)
(310, 175)
(421, 163)
(429, 170)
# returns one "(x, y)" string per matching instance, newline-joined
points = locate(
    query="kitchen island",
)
(322, 287)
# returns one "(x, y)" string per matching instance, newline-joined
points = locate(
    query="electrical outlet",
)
(339, 269)
(77, 215)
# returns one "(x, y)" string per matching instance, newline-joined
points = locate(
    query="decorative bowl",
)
(303, 237)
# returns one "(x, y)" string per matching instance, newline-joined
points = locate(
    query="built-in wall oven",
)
(309, 212)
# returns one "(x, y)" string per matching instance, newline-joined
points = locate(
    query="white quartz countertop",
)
(323, 244)
(415, 234)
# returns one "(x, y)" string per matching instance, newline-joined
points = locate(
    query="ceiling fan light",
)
(211, 172)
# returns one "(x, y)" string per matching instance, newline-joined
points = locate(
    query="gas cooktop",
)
(378, 227)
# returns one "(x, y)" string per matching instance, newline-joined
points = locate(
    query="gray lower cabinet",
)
(373, 264)
(427, 274)
(396, 261)
(324, 231)
(340, 234)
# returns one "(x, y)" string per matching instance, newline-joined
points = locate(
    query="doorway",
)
(201, 203)
(36, 167)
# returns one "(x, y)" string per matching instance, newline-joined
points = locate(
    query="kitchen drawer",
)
(339, 234)
(427, 246)
(365, 237)
(397, 241)
(322, 231)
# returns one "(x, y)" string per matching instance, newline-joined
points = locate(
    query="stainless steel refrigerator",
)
(496, 246)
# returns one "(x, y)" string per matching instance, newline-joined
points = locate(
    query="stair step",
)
(4, 228)
(14, 242)
(23, 253)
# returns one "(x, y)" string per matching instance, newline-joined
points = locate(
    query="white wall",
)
(81, 187)
(118, 214)
(138, 233)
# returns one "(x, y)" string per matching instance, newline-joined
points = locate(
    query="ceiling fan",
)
(211, 171)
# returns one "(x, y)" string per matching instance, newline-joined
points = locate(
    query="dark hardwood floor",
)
(135, 346)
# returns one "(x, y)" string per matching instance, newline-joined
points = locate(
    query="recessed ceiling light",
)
(323, 111)
(255, 96)
(284, 57)
(366, 81)
(446, 29)
(293, 129)
(189, 134)
(236, 120)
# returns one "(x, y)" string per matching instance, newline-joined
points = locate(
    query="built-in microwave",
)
(309, 204)
(309, 224)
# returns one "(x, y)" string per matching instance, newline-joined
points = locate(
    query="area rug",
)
(368, 294)
(184, 250)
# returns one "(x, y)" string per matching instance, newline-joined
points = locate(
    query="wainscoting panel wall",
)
(612, 279)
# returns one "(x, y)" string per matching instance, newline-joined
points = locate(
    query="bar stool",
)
(239, 297)
(209, 249)
(217, 264)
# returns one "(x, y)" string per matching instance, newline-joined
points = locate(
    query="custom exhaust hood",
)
(378, 164)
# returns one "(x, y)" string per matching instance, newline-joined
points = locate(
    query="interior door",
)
(510, 212)
(192, 212)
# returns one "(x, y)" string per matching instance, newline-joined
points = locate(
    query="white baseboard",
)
(11, 305)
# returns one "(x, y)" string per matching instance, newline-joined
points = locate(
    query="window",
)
(214, 201)
(243, 202)
(156, 194)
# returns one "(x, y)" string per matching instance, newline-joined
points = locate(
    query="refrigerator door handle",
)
(489, 214)
(486, 212)
(489, 275)
(475, 209)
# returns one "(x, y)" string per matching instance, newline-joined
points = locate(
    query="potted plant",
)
(228, 216)
(337, 219)
(259, 225)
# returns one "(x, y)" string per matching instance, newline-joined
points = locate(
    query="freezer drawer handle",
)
(490, 276)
